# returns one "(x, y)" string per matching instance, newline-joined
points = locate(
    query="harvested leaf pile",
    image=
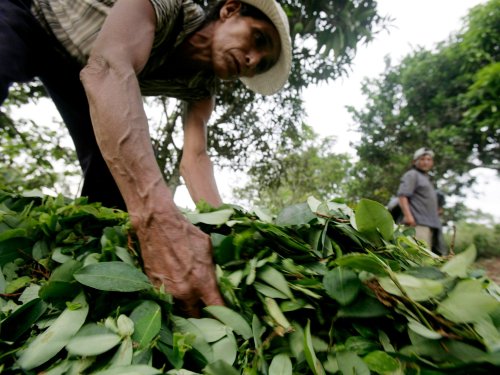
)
(320, 289)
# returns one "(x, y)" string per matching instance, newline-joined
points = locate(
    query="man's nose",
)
(252, 60)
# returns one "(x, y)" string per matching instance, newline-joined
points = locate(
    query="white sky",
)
(416, 23)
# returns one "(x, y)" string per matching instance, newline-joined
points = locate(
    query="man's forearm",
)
(200, 181)
(405, 208)
(121, 130)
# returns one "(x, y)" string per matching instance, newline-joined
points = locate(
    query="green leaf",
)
(66, 271)
(213, 218)
(40, 250)
(281, 365)
(211, 329)
(29, 293)
(124, 354)
(92, 340)
(3, 283)
(220, 368)
(372, 217)
(460, 263)
(417, 289)
(257, 331)
(17, 284)
(296, 341)
(59, 291)
(381, 362)
(13, 233)
(276, 279)
(360, 345)
(62, 285)
(200, 344)
(312, 360)
(467, 303)
(21, 320)
(49, 343)
(232, 319)
(113, 276)
(363, 307)
(362, 262)
(297, 214)
(13, 248)
(276, 314)
(147, 323)
(129, 370)
(342, 285)
(423, 331)
(269, 291)
(124, 325)
(226, 349)
(490, 334)
(351, 364)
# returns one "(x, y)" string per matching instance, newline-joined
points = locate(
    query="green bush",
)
(485, 237)
(323, 288)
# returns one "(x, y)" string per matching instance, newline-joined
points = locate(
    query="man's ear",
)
(230, 8)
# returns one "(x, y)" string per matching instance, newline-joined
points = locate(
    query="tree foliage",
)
(325, 35)
(480, 231)
(311, 170)
(31, 154)
(445, 99)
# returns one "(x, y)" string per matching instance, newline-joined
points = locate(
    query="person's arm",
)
(196, 167)
(405, 208)
(175, 253)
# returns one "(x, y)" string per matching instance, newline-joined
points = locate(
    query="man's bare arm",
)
(405, 207)
(196, 167)
(175, 253)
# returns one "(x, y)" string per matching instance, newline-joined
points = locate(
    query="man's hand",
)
(408, 218)
(410, 221)
(179, 255)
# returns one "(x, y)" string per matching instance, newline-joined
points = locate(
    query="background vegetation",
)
(445, 98)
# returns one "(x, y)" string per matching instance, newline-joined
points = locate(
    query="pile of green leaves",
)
(321, 288)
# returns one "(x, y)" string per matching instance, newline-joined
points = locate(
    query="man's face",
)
(243, 46)
(424, 163)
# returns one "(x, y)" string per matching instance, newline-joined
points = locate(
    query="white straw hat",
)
(423, 151)
(275, 78)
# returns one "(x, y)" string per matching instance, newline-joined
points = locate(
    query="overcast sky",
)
(416, 23)
(422, 23)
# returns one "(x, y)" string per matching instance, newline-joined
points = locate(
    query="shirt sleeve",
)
(166, 12)
(408, 184)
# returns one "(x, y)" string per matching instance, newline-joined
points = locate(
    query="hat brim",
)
(275, 78)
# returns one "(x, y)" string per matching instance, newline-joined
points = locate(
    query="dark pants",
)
(27, 51)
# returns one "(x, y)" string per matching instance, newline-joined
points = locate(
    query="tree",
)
(325, 35)
(444, 99)
(312, 170)
(30, 152)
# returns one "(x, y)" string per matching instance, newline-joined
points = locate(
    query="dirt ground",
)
(491, 266)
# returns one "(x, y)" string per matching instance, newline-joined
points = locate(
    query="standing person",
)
(418, 200)
(97, 58)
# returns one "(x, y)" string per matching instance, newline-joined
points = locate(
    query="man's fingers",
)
(210, 294)
(213, 298)
(189, 308)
